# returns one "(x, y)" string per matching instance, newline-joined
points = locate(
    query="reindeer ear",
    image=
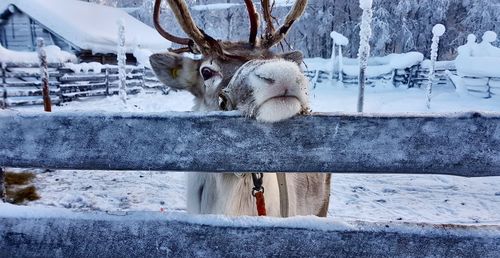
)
(294, 56)
(178, 72)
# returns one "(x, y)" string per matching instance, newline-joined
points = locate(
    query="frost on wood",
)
(44, 75)
(122, 59)
(437, 31)
(365, 34)
(460, 144)
(31, 231)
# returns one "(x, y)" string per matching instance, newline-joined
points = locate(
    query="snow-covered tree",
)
(400, 25)
(122, 61)
(365, 34)
(437, 31)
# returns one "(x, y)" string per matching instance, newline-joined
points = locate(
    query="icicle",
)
(364, 48)
(122, 60)
(437, 31)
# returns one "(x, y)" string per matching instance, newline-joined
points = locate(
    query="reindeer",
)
(263, 85)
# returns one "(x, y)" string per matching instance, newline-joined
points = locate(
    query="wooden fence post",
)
(107, 81)
(3, 102)
(44, 74)
(2, 185)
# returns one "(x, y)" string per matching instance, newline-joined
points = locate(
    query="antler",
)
(254, 21)
(268, 18)
(198, 41)
(166, 35)
(272, 39)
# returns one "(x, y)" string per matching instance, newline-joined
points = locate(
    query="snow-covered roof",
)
(54, 55)
(90, 26)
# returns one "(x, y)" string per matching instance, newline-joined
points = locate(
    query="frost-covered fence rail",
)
(457, 144)
(441, 78)
(484, 87)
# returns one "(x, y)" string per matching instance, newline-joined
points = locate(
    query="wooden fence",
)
(415, 76)
(456, 144)
(21, 83)
(484, 87)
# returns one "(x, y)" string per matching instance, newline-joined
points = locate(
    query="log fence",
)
(21, 83)
(466, 144)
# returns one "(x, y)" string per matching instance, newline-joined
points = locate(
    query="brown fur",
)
(19, 188)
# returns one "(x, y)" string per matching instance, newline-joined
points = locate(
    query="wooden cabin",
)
(86, 29)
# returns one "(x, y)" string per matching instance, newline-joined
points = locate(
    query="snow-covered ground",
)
(434, 199)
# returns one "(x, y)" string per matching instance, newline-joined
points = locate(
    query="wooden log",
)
(3, 100)
(60, 233)
(42, 57)
(82, 77)
(457, 144)
(25, 92)
(32, 65)
(31, 100)
(24, 74)
(75, 86)
(30, 84)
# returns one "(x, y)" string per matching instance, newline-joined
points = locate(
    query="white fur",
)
(281, 96)
(288, 81)
(274, 110)
(229, 194)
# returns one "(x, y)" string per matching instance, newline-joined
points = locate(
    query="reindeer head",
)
(245, 76)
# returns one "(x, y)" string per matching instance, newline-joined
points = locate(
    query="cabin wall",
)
(19, 32)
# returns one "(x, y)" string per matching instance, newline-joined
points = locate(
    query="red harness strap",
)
(258, 193)
(261, 203)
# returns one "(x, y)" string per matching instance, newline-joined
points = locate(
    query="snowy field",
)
(410, 198)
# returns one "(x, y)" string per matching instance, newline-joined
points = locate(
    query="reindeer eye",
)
(207, 73)
(222, 102)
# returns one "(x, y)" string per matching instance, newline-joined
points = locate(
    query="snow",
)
(355, 197)
(142, 56)
(95, 67)
(478, 66)
(90, 26)
(479, 60)
(378, 66)
(339, 39)
(438, 30)
(299, 222)
(489, 36)
(54, 55)
(365, 4)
